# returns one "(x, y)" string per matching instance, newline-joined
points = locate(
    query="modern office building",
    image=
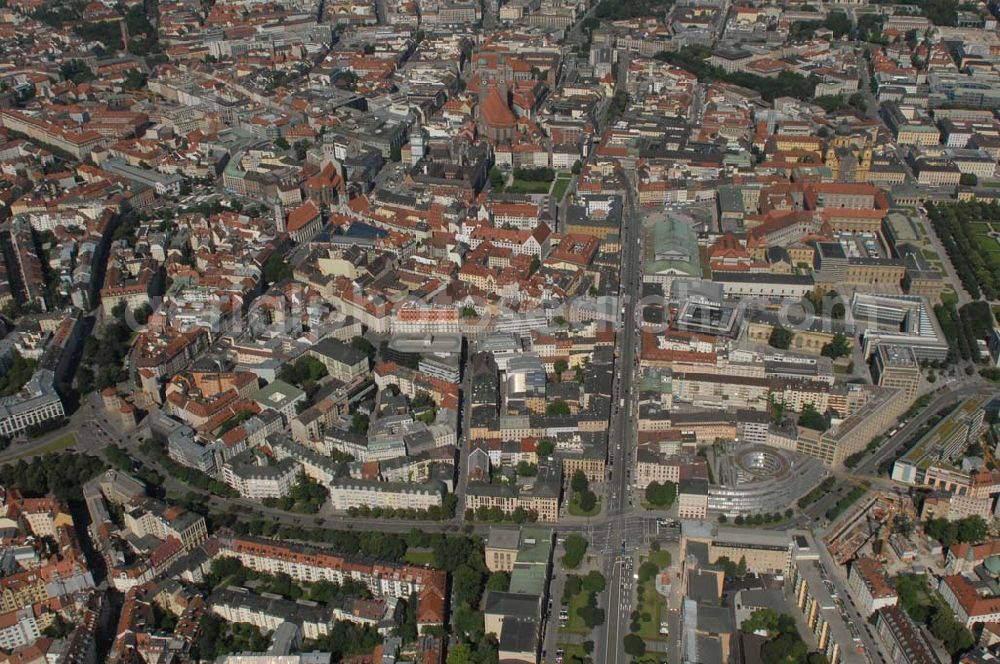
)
(757, 479)
(516, 616)
(692, 499)
(37, 403)
(897, 366)
(765, 552)
(943, 442)
(899, 320)
(437, 355)
(880, 411)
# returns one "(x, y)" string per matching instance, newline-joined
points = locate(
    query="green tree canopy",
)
(594, 582)
(634, 645)
(572, 587)
(498, 581)
(575, 547)
(780, 338)
(838, 347)
(813, 419)
(557, 407)
(661, 495)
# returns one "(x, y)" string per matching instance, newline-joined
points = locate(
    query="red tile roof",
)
(302, 216)
(495, 111)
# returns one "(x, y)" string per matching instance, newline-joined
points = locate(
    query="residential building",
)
(692, 499)
(870, 587)
(342, 361)
(281, 397)
(310, 564)
(822, 613)
(254, 477)
(347, 493)
(972, 600)
(903, 640)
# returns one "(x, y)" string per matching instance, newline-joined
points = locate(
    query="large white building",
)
(239, 605)
(964, 598)
(163, 521)
(348, 493)
(256, 481)
(18, 629)
(36, 403)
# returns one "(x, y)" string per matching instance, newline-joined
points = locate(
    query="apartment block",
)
(346, 493)
(870, 587)
(310, 564)
(902, 638)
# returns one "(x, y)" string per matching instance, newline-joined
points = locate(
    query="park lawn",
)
(661, 558)
(981, 231)
(419, 557)
(988, 244)
(528, 187)
(982, 234)
(61, 443)
(559, 188)
(652, 604)
(575, 622)
(576, 510)
(571, 649)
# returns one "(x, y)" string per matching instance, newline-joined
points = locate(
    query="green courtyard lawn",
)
(419, 557)
(559, 188)
(527, 187)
